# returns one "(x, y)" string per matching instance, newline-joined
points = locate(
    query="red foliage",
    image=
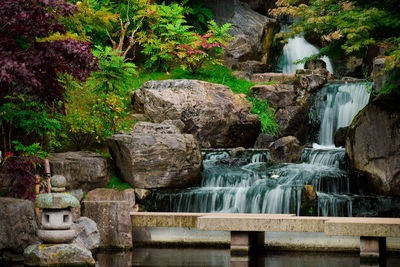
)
(31, 67)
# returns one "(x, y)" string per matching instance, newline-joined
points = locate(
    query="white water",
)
(298, 48)
(343, 102)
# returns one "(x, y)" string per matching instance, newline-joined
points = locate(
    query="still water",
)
(221, 257)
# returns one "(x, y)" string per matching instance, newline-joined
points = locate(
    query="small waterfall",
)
(343, 102)
(298, 48)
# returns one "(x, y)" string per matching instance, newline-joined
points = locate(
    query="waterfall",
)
(298, 48)
(343, 102)
(249, 183)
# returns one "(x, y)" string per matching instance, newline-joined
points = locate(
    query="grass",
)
(118, 184)
(211, 73)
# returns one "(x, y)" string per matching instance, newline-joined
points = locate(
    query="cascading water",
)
(249, 183)
(343, 102)
(296, 49)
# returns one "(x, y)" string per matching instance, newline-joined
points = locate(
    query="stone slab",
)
(269, 223)
(377, 227)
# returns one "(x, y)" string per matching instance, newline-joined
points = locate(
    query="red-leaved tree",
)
(31, 67)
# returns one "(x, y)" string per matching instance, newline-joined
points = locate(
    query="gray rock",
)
(57, 255)
(155, 160)
(251, 30)
(314, 64)
(286, 149)
(264, 140)
(311, 80)
(211, 112)
(113, 221)
(237, 151)
(373, 144)
(340, 137)
(85, 170)
(251, 66)
(273, 77)
(18, 227)
(88, 236)
(278, 95)
(293, 120)
(106, 194)
(378, 75)
(141, 193)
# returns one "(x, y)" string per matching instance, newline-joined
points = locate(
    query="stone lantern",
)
(56, 232)
(56, 219)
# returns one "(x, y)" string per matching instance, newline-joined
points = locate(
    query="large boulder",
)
(84, 170)
(378, 75)
(107, 194)
(286, 149)
(156, 155)
(278, 95)
(211, 112)
(311, 80)
(113, 221)
(286, 78)
(58, 255)
(253, 33)
(88, 236)
(373, 144)
(17, 227)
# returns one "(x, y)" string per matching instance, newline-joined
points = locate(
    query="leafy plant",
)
(167, 30)
(268, 125)
(118, 184)
(204, 48)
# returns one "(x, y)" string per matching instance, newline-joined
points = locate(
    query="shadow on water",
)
(222, 257)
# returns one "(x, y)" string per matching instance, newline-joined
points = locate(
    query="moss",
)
(118, 184)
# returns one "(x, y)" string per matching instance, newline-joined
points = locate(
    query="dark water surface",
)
(222, 257)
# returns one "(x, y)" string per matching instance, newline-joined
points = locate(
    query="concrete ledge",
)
(268, 223)
(377, 227)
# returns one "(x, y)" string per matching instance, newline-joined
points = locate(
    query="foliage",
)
(117, 184)
(261, 108)
(99, 107)
(31, 150)
(20, 172)
(31, 67)
(198, 15)
(90, 24)
(204, 48)
(346, 27)
(20, 114)
(167, 30)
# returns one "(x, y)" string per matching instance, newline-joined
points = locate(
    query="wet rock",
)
(84, 170)
(309, 202)
(264, 140)
(141, 193)
(340, 137)
(286, 149)
(57, 255)
(311, 80)
(378, 76)
(88, 235)
(278, 95)
(273, 77)
(314, 64)
(156, 156)
(293, 120)
(233, 162)
(237, 151)
(113, 221)
(18, 227)
(373, 144)
(211, 112)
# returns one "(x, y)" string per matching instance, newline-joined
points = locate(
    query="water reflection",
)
(222, 257)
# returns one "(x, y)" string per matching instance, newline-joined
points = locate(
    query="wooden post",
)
(47, 173)
(37, 191)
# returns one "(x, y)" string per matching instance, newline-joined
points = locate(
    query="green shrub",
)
(118, 184)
